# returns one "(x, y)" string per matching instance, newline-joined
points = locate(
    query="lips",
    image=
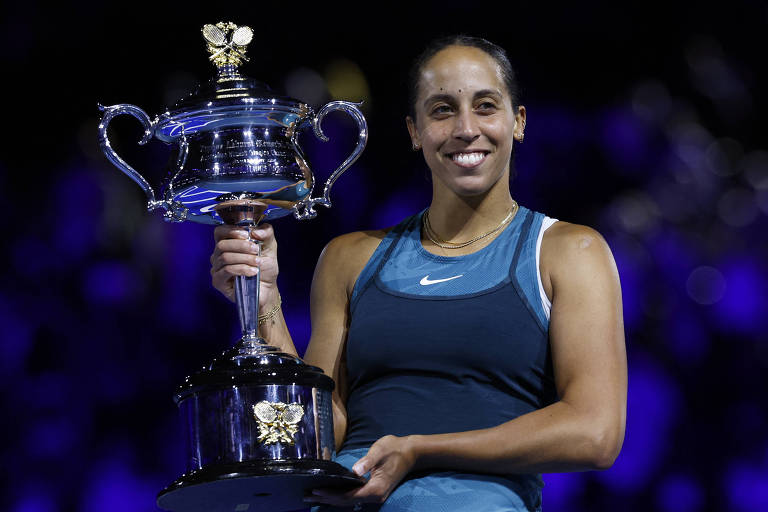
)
(468, 158)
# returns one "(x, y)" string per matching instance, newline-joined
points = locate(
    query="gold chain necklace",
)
(453, 245)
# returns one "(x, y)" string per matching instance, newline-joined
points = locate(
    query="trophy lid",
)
(266, 368)
(229, 98)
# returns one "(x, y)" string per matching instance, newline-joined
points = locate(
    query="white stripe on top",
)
(545, 302)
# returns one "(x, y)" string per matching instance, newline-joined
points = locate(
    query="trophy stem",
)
(247, 299)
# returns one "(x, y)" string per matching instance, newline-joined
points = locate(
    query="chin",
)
(472, 186)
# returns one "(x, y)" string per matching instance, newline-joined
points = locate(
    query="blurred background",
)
(645, 121)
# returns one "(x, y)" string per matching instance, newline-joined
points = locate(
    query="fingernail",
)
(359, 469)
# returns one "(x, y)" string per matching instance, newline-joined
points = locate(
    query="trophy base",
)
(272, 486)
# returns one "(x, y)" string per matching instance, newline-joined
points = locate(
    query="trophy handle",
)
(106, 147)
(304, 209)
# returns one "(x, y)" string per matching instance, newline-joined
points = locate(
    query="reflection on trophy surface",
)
(258, 421)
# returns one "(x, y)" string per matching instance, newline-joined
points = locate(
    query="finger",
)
(224, 231)
(233, 251)
(224, 284)
(226, 273)
(362, 466)
(236, 258)
(266, 234)
(368, 492)
(370, 459)
(239, 246)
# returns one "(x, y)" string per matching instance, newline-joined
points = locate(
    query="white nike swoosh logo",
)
(427, 281)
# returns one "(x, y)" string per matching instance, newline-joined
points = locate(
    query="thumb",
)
(361, 466)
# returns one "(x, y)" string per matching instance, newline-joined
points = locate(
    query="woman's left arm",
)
(584, 429)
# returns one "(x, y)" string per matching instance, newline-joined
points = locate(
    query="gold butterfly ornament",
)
(227, 43)
(277, 421)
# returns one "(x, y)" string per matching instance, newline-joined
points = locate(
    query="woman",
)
(456, 383)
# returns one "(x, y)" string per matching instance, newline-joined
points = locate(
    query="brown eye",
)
(441, 110)
(486, 106)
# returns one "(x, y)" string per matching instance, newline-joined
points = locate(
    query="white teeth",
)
(467, 158)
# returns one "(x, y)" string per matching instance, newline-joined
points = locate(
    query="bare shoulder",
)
(357, 241)
(566, 236)
(345, 256)
(567, 248)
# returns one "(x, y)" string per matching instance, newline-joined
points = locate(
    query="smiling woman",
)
(465, 120)
(477, 343)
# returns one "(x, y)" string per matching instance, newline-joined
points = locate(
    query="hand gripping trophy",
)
(258, 421)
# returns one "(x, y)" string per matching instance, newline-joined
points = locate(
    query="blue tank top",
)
(447, 344)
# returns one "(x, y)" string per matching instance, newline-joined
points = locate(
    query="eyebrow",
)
(449, 98)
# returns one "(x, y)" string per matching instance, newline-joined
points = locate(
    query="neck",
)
(458, 218)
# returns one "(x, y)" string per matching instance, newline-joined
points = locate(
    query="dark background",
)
(645, 121)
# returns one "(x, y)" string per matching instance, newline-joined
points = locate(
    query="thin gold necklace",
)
(458, 245)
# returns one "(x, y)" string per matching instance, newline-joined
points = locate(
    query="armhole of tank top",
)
(376, 260)
(546, 304)
(368, 273)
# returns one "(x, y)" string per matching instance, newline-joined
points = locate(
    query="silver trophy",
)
(258, 421)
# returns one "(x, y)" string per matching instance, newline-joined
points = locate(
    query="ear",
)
(519, 123)
(415, 139)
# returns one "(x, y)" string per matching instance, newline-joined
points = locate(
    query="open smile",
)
(468, 159)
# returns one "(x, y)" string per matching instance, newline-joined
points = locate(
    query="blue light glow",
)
(653, 409)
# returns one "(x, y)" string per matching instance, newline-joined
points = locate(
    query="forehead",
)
(458, 70)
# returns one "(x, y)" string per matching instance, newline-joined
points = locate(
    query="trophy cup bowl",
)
(258, 422)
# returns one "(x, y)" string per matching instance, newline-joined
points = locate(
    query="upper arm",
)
(339, 264)
(586, 325)
(329, 311)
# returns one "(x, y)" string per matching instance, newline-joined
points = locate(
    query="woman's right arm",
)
(329, 307)
(337, 269)
(339, 265)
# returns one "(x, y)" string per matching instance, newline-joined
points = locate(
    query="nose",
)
(466, 127)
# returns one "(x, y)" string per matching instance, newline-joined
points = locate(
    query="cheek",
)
(502, 131)
(433, 135)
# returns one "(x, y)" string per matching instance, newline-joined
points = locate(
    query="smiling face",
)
(465, 121)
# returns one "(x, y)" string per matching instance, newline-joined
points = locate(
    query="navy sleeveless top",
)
(447, 344)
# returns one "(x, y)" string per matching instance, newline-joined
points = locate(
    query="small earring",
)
(416, 147)
(522, 136)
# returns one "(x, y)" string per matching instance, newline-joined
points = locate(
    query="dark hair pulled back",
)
(494, 51)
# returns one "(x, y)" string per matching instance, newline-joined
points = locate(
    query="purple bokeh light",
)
(562, 490)
(680, 493)
(77, 198)
(744, 306)
(624, 139)
(111, 282)
(631, 264)
(687, 336)
(654, 406)
(16, 340)
(186, 268)
(36, 500)
(116, 487)
(746, 485)
(51, 437)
